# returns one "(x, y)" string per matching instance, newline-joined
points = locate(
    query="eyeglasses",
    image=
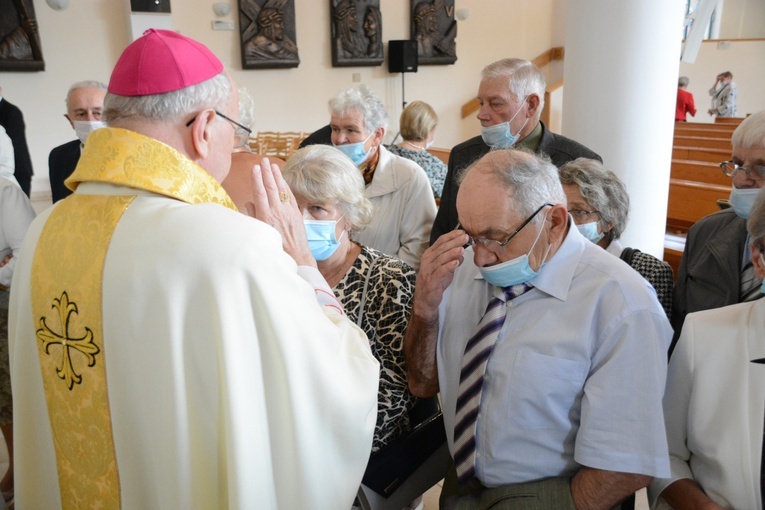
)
(499, 246)
(580, 214)
(753, 172)
(241, 133)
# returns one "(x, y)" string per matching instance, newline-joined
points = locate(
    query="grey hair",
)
(750, 134)
(602, 189)
(362, 99)
(524, 78)
(170, 106)
(755, 225)
(81, 85)
(246, 108)
(683, 81)
(323, 174)
(532, 179)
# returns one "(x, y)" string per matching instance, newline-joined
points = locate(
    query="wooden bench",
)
(700, 154)
(722, 131)
(442, 154)
(699, 171)
(706, 142)
(673, 257)
(704, 125)
(696, 181)
(729, 120)
(689, 201)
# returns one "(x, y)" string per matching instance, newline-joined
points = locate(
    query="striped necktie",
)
(750, 284)
(477, 353)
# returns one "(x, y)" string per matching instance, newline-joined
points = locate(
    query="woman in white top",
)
(402, 201)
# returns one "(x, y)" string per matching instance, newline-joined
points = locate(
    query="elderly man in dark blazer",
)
(84, 104)
(511, 96)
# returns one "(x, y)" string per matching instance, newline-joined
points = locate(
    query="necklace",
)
(418, 147)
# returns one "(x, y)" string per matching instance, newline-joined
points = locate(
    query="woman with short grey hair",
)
(375, 289)
(599, 204)
(399, 190)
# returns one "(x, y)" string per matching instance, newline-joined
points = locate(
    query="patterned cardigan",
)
(658, 273)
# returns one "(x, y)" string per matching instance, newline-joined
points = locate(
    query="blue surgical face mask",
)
(321, 238)
(429, 145)
(590, 231)
(499, 136)
(741, 200)
(514, 271)
(356, 151)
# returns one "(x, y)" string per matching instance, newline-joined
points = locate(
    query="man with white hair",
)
(532, 336)
(716, 269)
(84, 104)
(511, 98)
(156, 359)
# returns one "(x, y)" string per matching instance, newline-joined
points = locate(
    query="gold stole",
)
(67, 285)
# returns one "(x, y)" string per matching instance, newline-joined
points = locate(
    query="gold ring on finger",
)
(284, 197)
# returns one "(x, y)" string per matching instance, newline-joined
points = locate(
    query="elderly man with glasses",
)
(531, 334)
(716, 269)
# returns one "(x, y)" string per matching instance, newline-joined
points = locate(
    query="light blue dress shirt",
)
(577, 375)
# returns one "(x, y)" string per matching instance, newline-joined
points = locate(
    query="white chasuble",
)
(226, 384)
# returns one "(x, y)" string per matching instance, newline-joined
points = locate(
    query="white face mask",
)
(84, 127)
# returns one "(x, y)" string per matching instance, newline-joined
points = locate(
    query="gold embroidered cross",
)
(83, 344)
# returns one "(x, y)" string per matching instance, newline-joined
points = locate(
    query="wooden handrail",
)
(541, 61)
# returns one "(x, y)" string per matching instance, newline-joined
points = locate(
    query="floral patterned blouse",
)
(434, 168)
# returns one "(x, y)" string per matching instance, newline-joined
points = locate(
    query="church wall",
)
(743, 59)
(84, 41)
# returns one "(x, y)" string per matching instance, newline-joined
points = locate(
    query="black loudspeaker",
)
(402, 56)
(150, 6)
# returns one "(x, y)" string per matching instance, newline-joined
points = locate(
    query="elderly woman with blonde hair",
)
(418, 124)
(375, 289)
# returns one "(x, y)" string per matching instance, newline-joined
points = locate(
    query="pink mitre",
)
(162, 61)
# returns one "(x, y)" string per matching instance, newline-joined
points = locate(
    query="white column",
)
(620, 88)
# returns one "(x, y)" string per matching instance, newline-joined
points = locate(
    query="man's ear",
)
(533, 101)
(378, 136)
(200, 132)
(558, 218)
(71, 123)
(759, 266)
